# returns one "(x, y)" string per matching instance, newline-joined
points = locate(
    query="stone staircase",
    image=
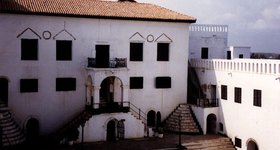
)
(210, 143)
(12, 134)
(189, 125)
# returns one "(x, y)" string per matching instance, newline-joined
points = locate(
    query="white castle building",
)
(115, 70)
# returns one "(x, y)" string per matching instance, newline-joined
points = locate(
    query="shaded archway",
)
(252, 145)
(32, 131)
(151, 118)
(4, 92)
(111, 130)
(158, 119)
(111, 91)
(211, 124)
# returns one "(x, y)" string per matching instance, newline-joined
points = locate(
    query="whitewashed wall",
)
(214, 37)
(53, 109)
(240, 50)
(244, 120)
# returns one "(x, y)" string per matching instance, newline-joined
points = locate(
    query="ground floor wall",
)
(252, 117)
(98, 127)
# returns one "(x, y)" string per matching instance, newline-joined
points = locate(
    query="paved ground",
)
(168, 142)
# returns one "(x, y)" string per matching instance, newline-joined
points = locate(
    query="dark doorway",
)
(102, 56)
(107, 92)
(32, 131)
(111, 131)
(158, 119)
(204, 53)
(3, 92)
(121, 129)
(228, 54)
(151, 118)
(252, 145)
(211, 124)
(213, 100)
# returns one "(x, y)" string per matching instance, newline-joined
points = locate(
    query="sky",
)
(254, 23)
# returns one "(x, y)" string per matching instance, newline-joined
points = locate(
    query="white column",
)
(125, 94)
(96, 97)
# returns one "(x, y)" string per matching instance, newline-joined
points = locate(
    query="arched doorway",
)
(110, 92)
(158, 119)
(252, 145)
(121, 129)
(211, 124)
(32, 131)
(3, 92)
(151, 118)
(111, 130)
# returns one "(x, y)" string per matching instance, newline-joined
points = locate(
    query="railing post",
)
(139, 113)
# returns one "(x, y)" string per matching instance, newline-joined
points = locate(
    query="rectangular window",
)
(136, 82)
(163, 52)
(65, 84)
(136, 51)
(237, 95)
(204, 53)
(224, 92)
(238, 142)
(163, 82)
(29, 49)
(241, 56)
(28, 85)
(221, 127)
(63, 50)
(258, 98)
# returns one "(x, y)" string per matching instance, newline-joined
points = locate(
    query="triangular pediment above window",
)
(137, 37)
(29, 33)
(64, 35)
(164, 38)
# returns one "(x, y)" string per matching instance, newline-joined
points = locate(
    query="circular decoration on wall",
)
(150, 38)
(47, 35)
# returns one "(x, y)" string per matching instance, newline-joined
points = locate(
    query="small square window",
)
(28, 85)
(29, 49)
(65, 84)
(136, 82)
(163, 52)
(136, 51)
(63, 50)
(224, 92)
(163, 82)
(258, 98)
(238, 142)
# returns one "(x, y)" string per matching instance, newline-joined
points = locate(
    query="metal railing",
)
(113, 63)
(206, 103)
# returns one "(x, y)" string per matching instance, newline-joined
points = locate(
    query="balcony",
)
(112, 63)
(206, 103)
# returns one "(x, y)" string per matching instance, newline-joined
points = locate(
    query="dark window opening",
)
(163, 52)
(136, 82)
(240, 55)
(237, 95)
(65, 84)
(258, 98)
(29, 49)
(163, 82)
(136, 51)
(28, 85)
(63, 50)
(221, 127)
(224, 92)
(238, 142)
(228, 54)
(204, 53)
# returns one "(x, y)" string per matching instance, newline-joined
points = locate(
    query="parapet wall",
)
(256, 66)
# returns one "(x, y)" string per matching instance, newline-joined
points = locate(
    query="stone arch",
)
(252, 145)
(111, 130)
(111, 91)
(211, 124)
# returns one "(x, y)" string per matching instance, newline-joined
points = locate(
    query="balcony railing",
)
(205, 103)
(113, 63)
